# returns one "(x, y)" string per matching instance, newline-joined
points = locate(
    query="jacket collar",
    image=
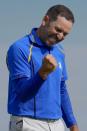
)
(36, 40)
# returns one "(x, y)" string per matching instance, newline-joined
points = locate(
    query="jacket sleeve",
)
(67, 112)
(26, 88)
(24, 83)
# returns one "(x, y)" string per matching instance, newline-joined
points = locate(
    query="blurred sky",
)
(16, 20)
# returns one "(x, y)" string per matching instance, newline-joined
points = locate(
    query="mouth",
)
(54, 38)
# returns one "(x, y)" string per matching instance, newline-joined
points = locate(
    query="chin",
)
(51, 44)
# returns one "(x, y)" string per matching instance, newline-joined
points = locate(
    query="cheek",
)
(51, 32)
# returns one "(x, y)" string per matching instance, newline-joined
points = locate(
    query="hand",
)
(74, 128)
(49, 64)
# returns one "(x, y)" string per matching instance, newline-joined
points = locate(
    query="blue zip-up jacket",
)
(30, 95)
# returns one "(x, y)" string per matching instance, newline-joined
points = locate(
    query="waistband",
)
(40, 119)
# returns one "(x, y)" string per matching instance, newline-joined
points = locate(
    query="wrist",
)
(42, 74)
(74, 128)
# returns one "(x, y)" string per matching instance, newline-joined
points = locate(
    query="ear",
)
(45, 20)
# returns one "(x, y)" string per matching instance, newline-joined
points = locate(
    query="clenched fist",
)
(49, 64)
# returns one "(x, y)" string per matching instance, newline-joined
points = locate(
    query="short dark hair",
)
(60, 10)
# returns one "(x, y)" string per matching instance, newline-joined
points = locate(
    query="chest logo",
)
(60, 66)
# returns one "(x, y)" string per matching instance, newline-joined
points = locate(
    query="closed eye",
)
(60, 31)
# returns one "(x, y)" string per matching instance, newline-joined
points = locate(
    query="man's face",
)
(55, 31)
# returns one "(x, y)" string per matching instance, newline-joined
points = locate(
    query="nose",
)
(60, 36)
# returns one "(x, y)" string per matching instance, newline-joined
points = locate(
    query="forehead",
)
(63, 23)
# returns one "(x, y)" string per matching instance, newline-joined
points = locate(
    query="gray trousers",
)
(28, 124)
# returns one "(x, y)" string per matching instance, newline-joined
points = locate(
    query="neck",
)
(40, 33)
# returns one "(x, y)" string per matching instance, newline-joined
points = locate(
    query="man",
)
(38, 97)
